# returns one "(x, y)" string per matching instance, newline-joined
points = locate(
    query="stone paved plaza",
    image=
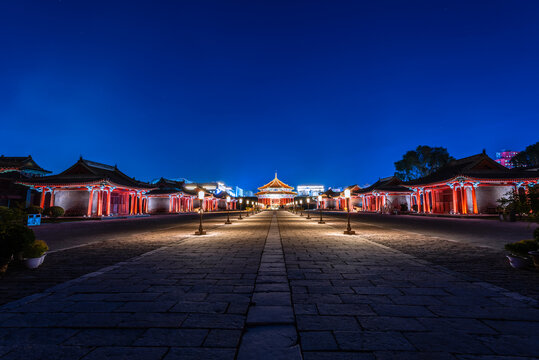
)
(272, 286)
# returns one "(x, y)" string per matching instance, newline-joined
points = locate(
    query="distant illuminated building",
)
(504, 158)
(310, 190)
(276, 193)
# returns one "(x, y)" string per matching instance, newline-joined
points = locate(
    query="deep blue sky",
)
(327, 92)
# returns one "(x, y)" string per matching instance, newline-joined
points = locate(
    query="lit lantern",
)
(320, 208)
(227, 211)
(201, 231)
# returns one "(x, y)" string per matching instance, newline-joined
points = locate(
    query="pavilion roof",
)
(167, 186)
(330, 194)
(86, 172)
(20, 163)
(388, 184)
(479, 166)
(283, 192)
(276, 183)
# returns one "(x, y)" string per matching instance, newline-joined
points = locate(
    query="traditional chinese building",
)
(275, 193)
(385, 195)
(91, 189)
(331, 200)
(14, 169)
(170, 197)
(471, 185)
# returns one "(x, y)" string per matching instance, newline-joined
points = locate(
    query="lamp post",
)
(301, 207)
(308, 208)
(247, 212)
(241, 201)
(227, 211)
(320, 208)
(348, 230)
(201, 231)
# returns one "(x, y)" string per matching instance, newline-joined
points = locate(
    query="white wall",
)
(395, 201)
(487, 196)
(158, 205)
(75, 203)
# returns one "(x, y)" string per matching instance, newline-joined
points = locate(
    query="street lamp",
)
(348, 230)
(201, 231)
(301, 207)
(247, 212)
(308, 208)
(227, 211)
(241, 201)
(320, 208)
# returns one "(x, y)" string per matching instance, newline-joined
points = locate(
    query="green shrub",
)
(54, 211)
(14, 239)
(10, 216)
(522, 247)
(36, 249)
(33, 210)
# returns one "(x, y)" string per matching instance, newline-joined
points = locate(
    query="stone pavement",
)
(355, 299)
(484, 263)
(245, 292)
(123, 241)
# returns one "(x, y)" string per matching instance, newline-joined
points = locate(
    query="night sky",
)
(327, 92)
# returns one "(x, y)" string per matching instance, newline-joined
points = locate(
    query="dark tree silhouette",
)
(421, 162)
(528, 157)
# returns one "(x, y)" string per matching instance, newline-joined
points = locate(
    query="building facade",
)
(92, 189)
(14, 169)
(275, 193)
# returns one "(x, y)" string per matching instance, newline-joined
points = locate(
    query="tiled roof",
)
(276, 192)
(331, 194)
(20, 163)
(276, 183)
(388, 184)
(85, 172)
(478, 166)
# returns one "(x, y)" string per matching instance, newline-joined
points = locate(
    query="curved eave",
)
(276, 193)
(84, 183)
(275, 183)
(475, 179)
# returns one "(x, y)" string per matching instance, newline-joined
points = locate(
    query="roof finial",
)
(276, 174)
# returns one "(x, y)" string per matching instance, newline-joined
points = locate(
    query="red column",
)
(99, 202)
(51, 203)
(107, 210)
(464, 200)
(90, 202)
(474, 199)
(140, 203)
(455, 200)
(42, 199)
(427, 202)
